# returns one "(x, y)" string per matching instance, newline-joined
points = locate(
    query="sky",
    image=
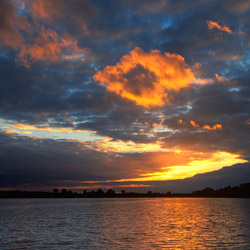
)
(122, 94)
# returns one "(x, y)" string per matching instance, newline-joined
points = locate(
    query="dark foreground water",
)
(158, 223)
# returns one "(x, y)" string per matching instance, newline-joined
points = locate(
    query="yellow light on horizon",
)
(217, 161)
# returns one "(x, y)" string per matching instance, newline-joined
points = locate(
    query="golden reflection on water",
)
(150, 223)
(182, 223)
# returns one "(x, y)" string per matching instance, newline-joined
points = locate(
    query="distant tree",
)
(149, 193)
(100, 191)
(55, 190)
(110, 192)
(123, 192)
(207, 191)
(64, 191)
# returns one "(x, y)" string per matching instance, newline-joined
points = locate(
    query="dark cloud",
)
(71, 14)
(7, 11)
(34, 162)
(9, 32)
(213, 104)
(39, 161)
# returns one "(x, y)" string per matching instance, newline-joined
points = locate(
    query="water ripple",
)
(152, 223)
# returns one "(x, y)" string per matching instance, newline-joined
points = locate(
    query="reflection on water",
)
(153, 223)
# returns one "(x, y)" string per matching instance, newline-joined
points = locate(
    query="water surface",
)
(148, 223)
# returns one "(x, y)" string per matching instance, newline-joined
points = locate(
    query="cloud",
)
(215, 25)
(39, 162)
(44, 160)
(226, 57)
(221, 78)
(237, 6)
(9, 25)
(213, 162)
(10, 131)
(49, 129)
(48, 46)
(194, 124)
(207, 127)
(34, 40)
(65, 92)
(146, 78)
(73, 11)
(216, 126)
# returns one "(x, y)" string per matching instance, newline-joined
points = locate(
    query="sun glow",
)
(215, 162)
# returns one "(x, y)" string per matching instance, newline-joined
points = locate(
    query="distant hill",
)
(227, 176)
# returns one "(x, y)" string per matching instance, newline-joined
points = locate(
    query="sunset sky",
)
(122, 94)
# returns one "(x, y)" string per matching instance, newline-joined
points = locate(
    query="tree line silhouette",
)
(241, 191)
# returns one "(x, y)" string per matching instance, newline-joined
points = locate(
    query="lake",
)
(133, 223)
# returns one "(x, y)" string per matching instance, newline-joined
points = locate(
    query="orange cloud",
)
(48, 46)
(35, 40)
(11, 131)
(215, 25)
(85, 29)
(27, 132)
(207, 127)
(221, 78)
(145, 78)
(194, 124)
(216, 126)
(45, 9)
(8, 130)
